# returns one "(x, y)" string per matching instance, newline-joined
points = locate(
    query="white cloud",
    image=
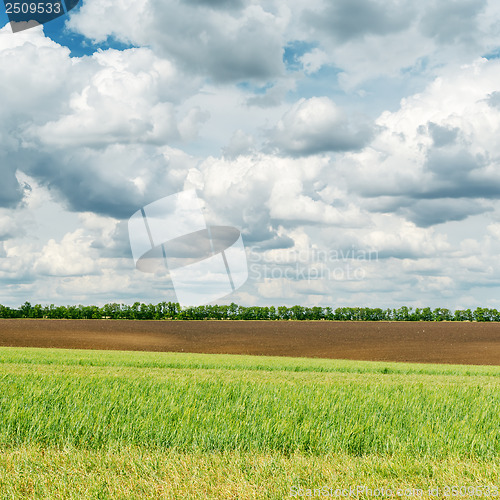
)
(283, 152)
(438, 148)
(70, 257)
(126, 99)
(317, 125)
(399, 238)
(314, 60)
(251, 190)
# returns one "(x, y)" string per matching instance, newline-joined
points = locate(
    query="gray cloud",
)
(453, 165)
(458, 174)
(452, 21)
(11, 192)
(493, 99)
(117, 245)
(93, 130)
(253, 52)
(442, 136)
(346, 20)
(218, 4)
(222, 40)
(426, 213)
(278, 242)
(452, 187)
(102, 181)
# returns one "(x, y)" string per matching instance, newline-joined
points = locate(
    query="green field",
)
(104, 424)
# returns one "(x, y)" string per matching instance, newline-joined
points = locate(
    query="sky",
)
(355, 145)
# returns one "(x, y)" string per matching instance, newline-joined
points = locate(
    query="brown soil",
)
(463, 343)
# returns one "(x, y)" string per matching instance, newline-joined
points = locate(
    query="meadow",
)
(111, 424)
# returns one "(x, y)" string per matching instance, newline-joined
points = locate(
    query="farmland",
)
(406, 341)
(113, 424)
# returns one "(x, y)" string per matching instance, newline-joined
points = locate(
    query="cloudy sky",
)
(355, 145)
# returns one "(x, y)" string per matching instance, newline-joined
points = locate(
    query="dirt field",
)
(464, 343)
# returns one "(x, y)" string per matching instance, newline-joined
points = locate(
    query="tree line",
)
(173, 311)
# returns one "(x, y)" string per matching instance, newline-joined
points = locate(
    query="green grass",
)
(124, 423)
(138, 474)
(134, 359)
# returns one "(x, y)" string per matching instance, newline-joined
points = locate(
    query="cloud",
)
(435, 157)
(452, 22)
(31, 91)
(224, 41)
(246, 41)
(318, 125)
(70, 257)
(356, 37)
(127, 98)
(345, 20)
(11, 192)
(426, 213)
(218, 4)
(95, 130)
(397, 238)
(269, 197)
(493, 99)
(442, 136)
(314, 60)
(239, 144)
(277, 148)
(114, 181)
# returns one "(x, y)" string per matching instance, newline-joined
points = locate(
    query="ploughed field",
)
(107, 422)
(421, 342)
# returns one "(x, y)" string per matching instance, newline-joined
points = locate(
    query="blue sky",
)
(78, 43)
(314, 127)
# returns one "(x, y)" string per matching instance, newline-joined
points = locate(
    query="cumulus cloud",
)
(96, 130)
(394, 237)
(438, 148)
(280, 150)
(451, 22)
(345, 20)
(426, 213)
(115, 181)
(442, 136)
(124, 100)
(226, 42)
(357, 36)
(241, 41)
(67, 258)
(239, 144)
(241, 188)
(30, 90)
(317, 125)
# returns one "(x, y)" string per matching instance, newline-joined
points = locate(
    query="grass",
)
(109, 424)
(132, 473)
(135, 359)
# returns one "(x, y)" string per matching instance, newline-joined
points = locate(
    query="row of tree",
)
(171, 310)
